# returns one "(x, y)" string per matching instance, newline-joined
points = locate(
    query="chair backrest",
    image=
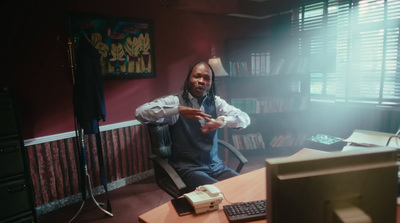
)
(166, 177)
(160, 139)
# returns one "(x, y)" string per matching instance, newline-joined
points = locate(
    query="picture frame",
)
(125, 45)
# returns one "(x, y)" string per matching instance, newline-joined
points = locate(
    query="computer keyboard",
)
(246, 211)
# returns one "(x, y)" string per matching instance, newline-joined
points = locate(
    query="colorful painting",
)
(125, 45)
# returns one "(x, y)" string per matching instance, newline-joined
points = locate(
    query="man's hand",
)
(193, 113)
(213, 124)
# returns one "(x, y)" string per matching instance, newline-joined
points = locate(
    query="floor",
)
(135, 199)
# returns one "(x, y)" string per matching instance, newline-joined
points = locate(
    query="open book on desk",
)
(365, 138)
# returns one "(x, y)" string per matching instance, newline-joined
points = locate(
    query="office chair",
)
(166, 176)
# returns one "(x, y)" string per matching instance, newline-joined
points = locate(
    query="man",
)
(194, 116)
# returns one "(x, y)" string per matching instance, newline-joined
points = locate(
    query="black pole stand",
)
(98, 204)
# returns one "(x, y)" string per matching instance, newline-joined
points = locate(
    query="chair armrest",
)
(169, 170)
(235, 152)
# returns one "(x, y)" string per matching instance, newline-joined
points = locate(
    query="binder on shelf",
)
(258, 64)
(253, 64)
(268, 63)
(263, 65)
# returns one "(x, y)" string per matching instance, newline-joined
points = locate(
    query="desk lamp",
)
(215, 63)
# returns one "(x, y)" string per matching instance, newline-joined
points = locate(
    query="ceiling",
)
(252, 9)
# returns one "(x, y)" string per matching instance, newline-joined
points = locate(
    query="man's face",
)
(200, 80)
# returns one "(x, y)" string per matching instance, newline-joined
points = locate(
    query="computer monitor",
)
(333, 187)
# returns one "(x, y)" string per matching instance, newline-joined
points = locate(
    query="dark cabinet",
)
(16, 197)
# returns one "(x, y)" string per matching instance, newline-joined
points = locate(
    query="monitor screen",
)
(333, 187)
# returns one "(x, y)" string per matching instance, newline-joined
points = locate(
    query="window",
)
(353, 50)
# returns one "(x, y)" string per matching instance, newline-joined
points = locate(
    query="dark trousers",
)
(206, 175)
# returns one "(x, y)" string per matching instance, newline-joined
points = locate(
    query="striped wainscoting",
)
(54, 165)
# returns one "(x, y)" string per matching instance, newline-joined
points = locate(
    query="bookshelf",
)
(268, 79)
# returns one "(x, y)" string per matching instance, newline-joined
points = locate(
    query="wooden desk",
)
(246, 187)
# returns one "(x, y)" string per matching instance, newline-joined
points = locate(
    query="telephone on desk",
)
(205, 198)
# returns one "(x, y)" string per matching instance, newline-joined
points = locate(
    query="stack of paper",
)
(366, 138)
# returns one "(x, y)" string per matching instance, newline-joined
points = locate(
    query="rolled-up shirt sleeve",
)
(235, 118)
(164, 110)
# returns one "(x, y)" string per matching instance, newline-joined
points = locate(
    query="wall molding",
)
(71, 134)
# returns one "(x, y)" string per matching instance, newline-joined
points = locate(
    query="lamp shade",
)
(216, 65)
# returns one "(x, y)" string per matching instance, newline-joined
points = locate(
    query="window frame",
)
(304, 29)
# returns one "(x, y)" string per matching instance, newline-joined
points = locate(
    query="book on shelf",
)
(273, 105)
(288, 140)
(246, 143)
(302, 65)
(238, 69)
(298, 65)
(295, 102)
(230, 68)
(246, 68)
(248, 105)
(243, 68)
(275, 141)
(237, 142)
(233, 69)
(293, 66)
(278, 67)
(249, 141)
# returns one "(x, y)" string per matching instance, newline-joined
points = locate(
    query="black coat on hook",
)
(88, 98)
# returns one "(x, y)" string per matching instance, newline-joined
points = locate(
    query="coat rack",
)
(85, 180)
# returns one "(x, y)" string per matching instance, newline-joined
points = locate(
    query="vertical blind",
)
(353, 50)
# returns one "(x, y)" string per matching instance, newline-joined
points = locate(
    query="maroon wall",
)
(36, 65)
